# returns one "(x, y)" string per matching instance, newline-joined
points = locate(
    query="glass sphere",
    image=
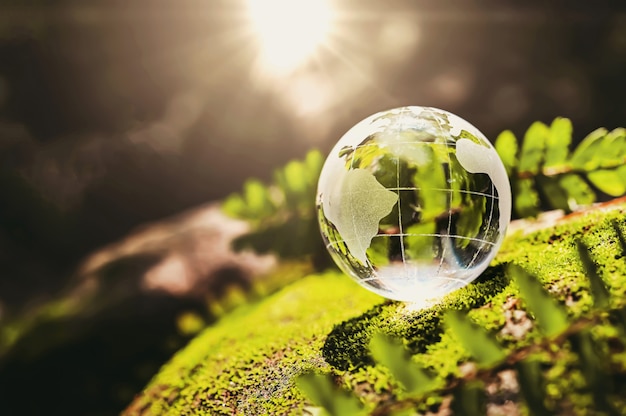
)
(413, 203)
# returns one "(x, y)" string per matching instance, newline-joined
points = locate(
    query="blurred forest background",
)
(115, 115)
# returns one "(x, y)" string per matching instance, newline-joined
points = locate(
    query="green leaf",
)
(613, 149)
(526, 200)
(290, 238)
(552, 190)
(282, 215)
(546, 175)
(506, 146)
(587, 155)
(578, 191)
(618, 136)
(478, 342)
(551, 316)
(234, 206)
(295, 177)
(558, 141)
(313, 162)
(323, 392)
(254, 204)
(533, 147)
(390, 353)
(256, 198)
(609, 181)
(291, 181)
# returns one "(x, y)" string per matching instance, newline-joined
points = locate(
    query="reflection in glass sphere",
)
(413, 203)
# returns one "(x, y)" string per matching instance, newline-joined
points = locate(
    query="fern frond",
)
(545, 174)
(281, 214)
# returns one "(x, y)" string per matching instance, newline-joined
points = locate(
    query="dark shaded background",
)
(117, 113)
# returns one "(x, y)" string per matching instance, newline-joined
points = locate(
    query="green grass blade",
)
(397, 359)
(601, 297)
(532, 385)
(323, 392)
(469, 399)
(620, 237)
(478, 342)
(551, 316)
(593, 366)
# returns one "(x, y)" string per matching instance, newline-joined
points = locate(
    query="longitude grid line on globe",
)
(400, 214)
(443, 254)
(407, 143)
(460, 237)
(452, 279)
(493, 191)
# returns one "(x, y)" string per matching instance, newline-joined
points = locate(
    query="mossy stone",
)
(248, 361)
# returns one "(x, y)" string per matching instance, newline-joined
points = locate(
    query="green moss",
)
(247, 362)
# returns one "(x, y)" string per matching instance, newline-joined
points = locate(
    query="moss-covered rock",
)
(247, 363)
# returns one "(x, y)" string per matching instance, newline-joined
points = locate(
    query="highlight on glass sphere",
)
(413, 203)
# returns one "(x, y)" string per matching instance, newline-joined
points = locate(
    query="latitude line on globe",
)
(337, 242)
(432, 189)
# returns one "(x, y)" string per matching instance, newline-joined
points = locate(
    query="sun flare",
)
(289, 31)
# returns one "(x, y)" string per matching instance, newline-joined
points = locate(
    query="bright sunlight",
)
(289, 31)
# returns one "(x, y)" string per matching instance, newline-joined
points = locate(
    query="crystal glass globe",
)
(413, 203)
